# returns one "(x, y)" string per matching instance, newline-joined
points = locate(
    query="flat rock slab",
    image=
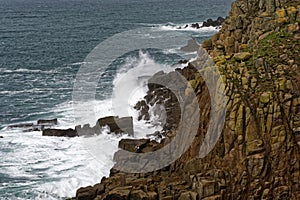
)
(60, 132)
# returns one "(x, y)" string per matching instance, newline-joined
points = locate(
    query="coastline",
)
(257, 155)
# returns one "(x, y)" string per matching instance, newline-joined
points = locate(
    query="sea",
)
(43, 46)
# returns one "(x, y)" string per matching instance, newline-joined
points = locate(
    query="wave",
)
(187, 27)
(54, 168)
(170, 26)
(24, 70)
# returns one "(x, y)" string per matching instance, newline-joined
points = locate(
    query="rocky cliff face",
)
(257, 155)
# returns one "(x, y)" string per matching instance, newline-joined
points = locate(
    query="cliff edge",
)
(257, 155)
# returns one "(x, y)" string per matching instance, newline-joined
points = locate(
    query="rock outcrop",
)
(60, 132)
(39, 126)
(257, 155)
(210, 22)
(115, 124)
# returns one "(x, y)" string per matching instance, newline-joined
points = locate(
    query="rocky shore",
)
(257, 156)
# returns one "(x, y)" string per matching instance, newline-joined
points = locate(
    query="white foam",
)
(182, 27)
(56, 167)
(24, 70)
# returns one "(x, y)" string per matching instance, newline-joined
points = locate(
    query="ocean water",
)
(43, 43)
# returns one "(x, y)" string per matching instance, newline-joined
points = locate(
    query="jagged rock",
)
(60, 132)
(144, 110)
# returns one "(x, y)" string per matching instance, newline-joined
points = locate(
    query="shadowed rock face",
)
(257, 155)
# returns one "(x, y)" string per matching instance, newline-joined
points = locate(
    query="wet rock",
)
(118, 125)
(210, 22)
(23, 125)
(133, 145)
(144, 110)
(47, 122)
(195, 25)
(183, 61)
(60, 132)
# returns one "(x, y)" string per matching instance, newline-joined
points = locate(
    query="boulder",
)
(1, 136)
(47, 121)
(60, 132)
(117, 125)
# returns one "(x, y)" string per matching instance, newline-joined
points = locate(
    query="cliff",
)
(257, 155)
